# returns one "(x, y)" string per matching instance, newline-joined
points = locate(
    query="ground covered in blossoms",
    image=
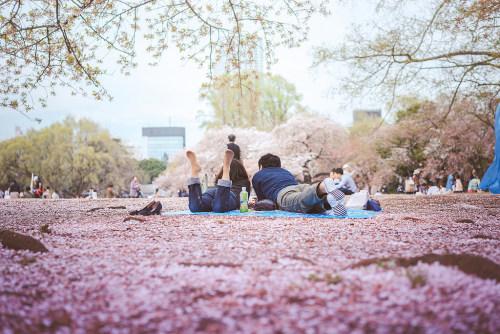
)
(108, 272)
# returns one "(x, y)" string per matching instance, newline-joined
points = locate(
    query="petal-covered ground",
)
(109, 274)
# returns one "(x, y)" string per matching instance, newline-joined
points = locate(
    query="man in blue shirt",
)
(278, 185)
(345, 182)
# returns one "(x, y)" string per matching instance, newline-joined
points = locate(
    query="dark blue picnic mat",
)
(358, 214)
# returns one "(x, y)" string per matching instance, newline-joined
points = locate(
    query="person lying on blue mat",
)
(278, 185)
(225, 196)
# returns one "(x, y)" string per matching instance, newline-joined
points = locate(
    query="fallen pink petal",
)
(241, 275)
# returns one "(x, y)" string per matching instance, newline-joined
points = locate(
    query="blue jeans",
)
(218, 199)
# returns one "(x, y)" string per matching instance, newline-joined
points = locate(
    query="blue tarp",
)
(491, 180)
(360, 214)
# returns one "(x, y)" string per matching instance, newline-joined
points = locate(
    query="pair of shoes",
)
(144, 210)
(155, 210)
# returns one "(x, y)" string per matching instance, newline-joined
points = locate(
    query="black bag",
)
(265, 205)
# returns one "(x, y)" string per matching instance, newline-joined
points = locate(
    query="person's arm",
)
(342, 183)
(256, 188)
(249, 186)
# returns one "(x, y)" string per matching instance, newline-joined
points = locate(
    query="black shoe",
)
(155, 210)
(145, 209)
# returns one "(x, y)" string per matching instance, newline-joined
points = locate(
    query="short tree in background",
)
(258, 100)
(152, 167)
(70, 156)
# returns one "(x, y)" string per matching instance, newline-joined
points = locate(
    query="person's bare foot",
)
(228, 157)
(195, 166)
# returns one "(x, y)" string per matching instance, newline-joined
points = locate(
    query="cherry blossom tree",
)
(420, 139)
(45, 44)
(431, 46)
(307, 145)
(210, 154)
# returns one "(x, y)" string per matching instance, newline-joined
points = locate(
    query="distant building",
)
(360, 115)
(18, 132)
(163, 142)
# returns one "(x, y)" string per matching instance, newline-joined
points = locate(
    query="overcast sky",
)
(168, 94)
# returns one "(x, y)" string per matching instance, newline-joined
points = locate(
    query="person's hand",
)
(252, 200)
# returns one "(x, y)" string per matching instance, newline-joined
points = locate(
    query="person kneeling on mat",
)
(345, 182)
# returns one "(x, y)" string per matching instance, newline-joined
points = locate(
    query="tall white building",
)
(163, 142)
(18, 132)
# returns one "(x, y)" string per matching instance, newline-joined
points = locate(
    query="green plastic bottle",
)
(244, 200)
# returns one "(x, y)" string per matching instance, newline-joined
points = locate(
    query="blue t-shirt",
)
(269, 181)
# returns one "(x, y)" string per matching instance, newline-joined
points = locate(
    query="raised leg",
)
(226, 167)
(225, 200)
(195, 166)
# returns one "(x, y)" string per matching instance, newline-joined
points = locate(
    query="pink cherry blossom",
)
(244, 275)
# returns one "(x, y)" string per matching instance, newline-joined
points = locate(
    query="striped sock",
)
(339, 210)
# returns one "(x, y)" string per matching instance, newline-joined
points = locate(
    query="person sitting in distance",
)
(346, 184)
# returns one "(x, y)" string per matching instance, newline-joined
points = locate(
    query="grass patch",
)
(328, 278)
(27, 260)
(468, 263)
(45, 229)
(416, 277)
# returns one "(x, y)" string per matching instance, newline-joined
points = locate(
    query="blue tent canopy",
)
(491, 180)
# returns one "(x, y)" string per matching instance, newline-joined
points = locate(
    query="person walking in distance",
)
(135, 188)
(234, 147)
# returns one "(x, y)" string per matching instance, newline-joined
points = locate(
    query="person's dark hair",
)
(13, 181)
(456, 176)
(237, 172)
(231, 138)
(269, 160)
(339, 171)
